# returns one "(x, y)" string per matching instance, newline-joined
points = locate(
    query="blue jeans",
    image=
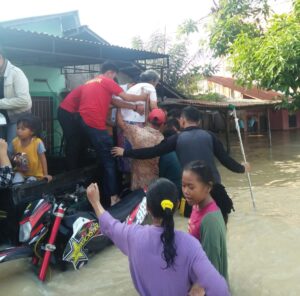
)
(103, 144)
(8, 132)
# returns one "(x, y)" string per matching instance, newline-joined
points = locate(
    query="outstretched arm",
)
(133, 98)
(118, 232)
(139, 108)
(225, 159)
(166, 146)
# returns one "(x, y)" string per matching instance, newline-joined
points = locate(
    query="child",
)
(206, 221)
(162, 261)
(29, 152)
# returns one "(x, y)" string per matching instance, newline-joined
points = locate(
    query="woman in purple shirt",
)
(162, 261)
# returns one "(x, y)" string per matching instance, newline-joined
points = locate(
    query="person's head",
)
(172, 123)
(174, 113)
(109, 70)
(197, 182)
(157, 118)
(150, 76)
(2, 57)
(28, 126)
(189, 116)
(171, 127)
(162, 200)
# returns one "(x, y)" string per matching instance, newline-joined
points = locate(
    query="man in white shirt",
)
(15, 100)
(148, 81)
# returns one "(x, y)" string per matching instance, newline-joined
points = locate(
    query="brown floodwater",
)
(263, 245)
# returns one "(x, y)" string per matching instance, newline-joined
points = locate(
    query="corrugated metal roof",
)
(254, 92)
(207, 105)
(22, 21)
(31, 48)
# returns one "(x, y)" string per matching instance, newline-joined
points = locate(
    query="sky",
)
(117, 21)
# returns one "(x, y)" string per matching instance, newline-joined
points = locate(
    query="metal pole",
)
(243, 153)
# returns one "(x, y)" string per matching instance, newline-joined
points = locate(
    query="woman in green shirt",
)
(206, 222)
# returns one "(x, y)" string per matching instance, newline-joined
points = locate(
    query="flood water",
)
(263, 245)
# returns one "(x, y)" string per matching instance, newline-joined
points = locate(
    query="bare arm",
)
(43, 160)
(121, 104)
(133, 98)
(4, 160)
(153, 105)
(93, 196)
(120, 121)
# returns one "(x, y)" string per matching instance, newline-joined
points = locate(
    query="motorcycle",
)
(61, 229)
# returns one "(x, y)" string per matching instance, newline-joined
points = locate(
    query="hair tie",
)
(167, 204)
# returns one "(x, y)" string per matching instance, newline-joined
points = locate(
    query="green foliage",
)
(233, 17)
(272, 60)
(188, 27)
(137, 43)
(211, 97)
(181, 74)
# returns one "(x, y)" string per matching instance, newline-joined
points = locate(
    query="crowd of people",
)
(165, 153)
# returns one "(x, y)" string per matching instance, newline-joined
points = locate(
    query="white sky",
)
(117, 21)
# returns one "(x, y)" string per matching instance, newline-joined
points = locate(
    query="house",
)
(256, 118)
(57, 53)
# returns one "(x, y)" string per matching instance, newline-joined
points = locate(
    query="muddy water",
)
(263, 245)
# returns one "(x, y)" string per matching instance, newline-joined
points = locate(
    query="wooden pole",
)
(269, 128)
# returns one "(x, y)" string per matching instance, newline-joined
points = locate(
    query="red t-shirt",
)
(198, 215)
(95, 99)
(72, 100)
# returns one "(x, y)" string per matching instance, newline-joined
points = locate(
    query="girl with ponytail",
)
(206, 222)
(162, 261)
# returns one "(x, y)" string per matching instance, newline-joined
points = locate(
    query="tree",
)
(183, 71)
(272, 61)
(231, 18)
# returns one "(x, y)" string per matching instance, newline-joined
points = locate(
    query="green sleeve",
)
(210, 238)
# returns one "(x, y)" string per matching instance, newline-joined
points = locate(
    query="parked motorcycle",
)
(61, 229)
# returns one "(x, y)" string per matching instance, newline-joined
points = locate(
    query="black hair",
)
(172, 123)
(218, 192)
(31, 122)
(191, 114)
(171, 127)
(155, 122)
(135, 79)
(168, 132)
(149, 75)
(163, 189)
(109, 66)
(174, 113)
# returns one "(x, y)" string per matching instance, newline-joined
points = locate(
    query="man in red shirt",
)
(74, 139)
(92, 101)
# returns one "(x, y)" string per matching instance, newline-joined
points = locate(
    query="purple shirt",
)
(143, 247)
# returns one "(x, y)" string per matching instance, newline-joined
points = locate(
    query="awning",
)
(30, 48)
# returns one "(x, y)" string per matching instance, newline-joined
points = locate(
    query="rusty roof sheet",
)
(207, 105)
(254, 92)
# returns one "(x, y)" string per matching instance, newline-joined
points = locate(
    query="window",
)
(292, 120)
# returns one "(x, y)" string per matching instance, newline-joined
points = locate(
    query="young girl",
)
(206, 221)
(29, 152)
(162, 261)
